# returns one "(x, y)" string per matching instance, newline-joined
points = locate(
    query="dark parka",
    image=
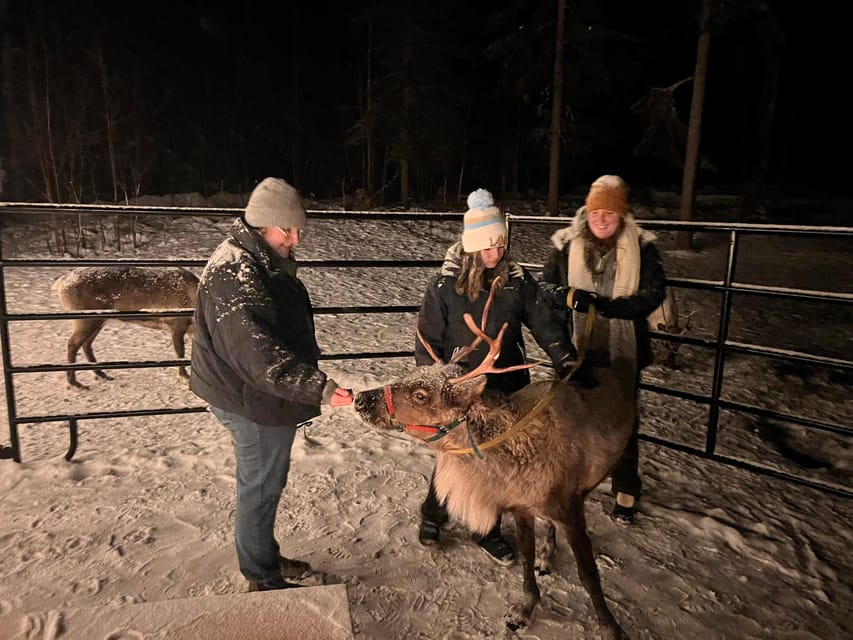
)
(441, 322)
(650, 291)
(254, 351)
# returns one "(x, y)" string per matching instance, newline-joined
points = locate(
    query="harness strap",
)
(543, 401)
(442, 430)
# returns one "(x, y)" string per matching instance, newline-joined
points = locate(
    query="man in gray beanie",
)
(254, 360)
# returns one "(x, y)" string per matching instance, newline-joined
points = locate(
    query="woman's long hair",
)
(474, 278)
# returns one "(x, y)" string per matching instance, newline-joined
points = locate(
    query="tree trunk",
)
(556, 111)
(102, 67)
(404, 181)
(684, 239)
(368, 110)
(9, 154)
(294, 105)
(772, 53)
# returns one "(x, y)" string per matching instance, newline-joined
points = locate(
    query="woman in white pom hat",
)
(462, 286)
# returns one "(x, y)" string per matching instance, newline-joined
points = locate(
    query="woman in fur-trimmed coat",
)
(605, 259)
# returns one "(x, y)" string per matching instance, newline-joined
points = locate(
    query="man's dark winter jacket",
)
(254, 350)
(441, 322)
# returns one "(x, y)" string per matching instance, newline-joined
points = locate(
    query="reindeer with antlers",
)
(462, 286)
(536, 453)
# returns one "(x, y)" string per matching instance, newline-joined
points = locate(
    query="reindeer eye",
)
(420, 396)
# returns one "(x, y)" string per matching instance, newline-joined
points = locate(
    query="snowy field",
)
(144, 511)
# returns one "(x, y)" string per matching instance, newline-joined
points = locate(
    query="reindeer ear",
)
(467, 391)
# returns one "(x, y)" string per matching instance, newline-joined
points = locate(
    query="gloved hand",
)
(334, 395)
(584, 376)
(579, 300)
(565, 364)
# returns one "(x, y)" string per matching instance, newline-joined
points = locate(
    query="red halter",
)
(435, 433)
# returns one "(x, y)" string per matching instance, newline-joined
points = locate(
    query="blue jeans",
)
(263, 461)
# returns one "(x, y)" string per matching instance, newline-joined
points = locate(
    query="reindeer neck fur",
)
(485, 418)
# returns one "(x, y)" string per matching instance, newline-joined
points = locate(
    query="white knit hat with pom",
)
(484, 226)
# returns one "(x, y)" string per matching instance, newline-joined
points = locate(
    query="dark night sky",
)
(234, 92)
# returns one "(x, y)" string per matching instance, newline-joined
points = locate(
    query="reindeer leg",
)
(545, 553)
(520, 614)
(83, 331)
(90, 354)
(178, 333)
(575, 530)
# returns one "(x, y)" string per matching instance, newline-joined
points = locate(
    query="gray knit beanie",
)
(274, 203)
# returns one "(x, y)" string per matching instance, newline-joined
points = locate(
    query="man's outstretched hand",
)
(341, 397)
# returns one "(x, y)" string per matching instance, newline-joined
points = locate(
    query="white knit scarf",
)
(623, 339)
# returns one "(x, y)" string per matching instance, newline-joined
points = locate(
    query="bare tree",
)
(109, 124)
(556, 113)
(684, 239)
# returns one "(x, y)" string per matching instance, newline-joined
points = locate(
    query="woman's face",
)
(492, 256)
(603, 223)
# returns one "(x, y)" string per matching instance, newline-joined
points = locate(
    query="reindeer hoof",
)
(518, 616)
(609, 633)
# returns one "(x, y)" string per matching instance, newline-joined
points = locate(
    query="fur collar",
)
(562, 237)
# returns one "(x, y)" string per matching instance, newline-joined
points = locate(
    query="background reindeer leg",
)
(83, 332)
(178, 328)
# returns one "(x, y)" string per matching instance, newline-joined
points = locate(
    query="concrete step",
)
(308, 613)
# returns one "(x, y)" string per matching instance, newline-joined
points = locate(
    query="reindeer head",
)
(433, 399)
(421, 402)
(665, 319)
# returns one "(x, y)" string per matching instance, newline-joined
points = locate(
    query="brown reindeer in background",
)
(125, 289)
(536, 453)
(665, 319)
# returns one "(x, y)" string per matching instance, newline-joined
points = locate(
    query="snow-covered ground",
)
(143, 513)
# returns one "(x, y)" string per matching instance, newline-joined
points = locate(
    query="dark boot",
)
(433, 517)
(496, 546)
(293, 568)
(271, 585)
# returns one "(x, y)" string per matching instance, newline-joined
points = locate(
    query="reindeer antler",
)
(461, 353)
(488, 363)
(428, 348)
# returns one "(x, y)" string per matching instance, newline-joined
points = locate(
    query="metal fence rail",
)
(721, 344)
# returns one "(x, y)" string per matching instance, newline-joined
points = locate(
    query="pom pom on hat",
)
(274, 203)
(480, 199)
(484, 226)
(609, 193)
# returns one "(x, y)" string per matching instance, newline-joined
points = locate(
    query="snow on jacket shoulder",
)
(254, 349)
